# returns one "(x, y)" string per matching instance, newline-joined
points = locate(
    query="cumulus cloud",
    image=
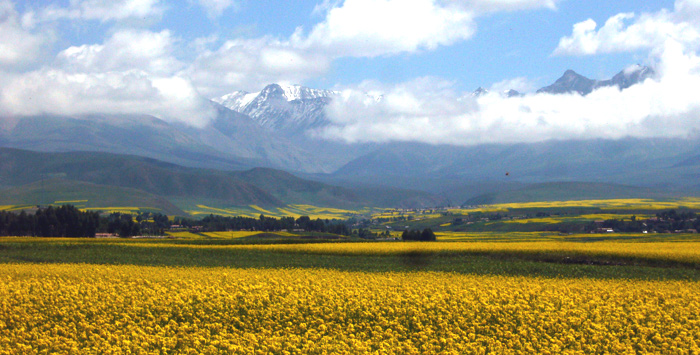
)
(434, 112)
(249, 64)
(125, 50)
(630, 32)
(53, 91)
(132, 72)
(19, 43)
(368, 28)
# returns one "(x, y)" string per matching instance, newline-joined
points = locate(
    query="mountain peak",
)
(630, 76)
(571, 76)
(287, 108)
(570, 82)
(272, 91)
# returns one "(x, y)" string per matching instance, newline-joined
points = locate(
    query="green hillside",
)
(87, 195)
(170, 182)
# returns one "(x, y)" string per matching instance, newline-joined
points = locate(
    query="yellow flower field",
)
(90, 309)
(679, 252)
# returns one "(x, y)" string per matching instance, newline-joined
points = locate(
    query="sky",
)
(167, 58)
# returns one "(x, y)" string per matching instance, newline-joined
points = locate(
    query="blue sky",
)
(166, 58)
(506, 44)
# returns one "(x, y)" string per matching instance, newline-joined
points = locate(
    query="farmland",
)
(128, 309)
(472, 291)
(523, 294)
(289, 210)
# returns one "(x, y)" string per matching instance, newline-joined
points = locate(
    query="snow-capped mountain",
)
(574, 82)
(286, 108)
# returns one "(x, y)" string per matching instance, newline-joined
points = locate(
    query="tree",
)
(426, 235)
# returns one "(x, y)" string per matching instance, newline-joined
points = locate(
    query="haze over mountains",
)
(273, 129)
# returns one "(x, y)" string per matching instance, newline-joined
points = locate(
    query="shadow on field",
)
(170, 253)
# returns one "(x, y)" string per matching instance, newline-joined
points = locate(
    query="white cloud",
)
(431, 111)
(58, 92)
(132, 72)
(113, 10)
(627, 32)
(19, 44)
(249, 64)
(125, 50)
(215, 8)
(368, 28)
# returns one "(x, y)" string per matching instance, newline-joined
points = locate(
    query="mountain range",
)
(268, 129)
(573, 82)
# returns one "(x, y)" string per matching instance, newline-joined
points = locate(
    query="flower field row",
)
(83, 309)
(673, 252)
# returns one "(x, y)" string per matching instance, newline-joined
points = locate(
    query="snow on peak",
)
(298, 92)
(289, 108)
(236, 100)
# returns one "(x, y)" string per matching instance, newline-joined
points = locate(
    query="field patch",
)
(295, 211)
(100, 309)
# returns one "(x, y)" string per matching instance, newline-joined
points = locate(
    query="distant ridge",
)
(572, 81)
(258, 186)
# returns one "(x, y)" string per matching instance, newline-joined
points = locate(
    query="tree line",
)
(67, 221)
(216, 223)
(63, 221)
